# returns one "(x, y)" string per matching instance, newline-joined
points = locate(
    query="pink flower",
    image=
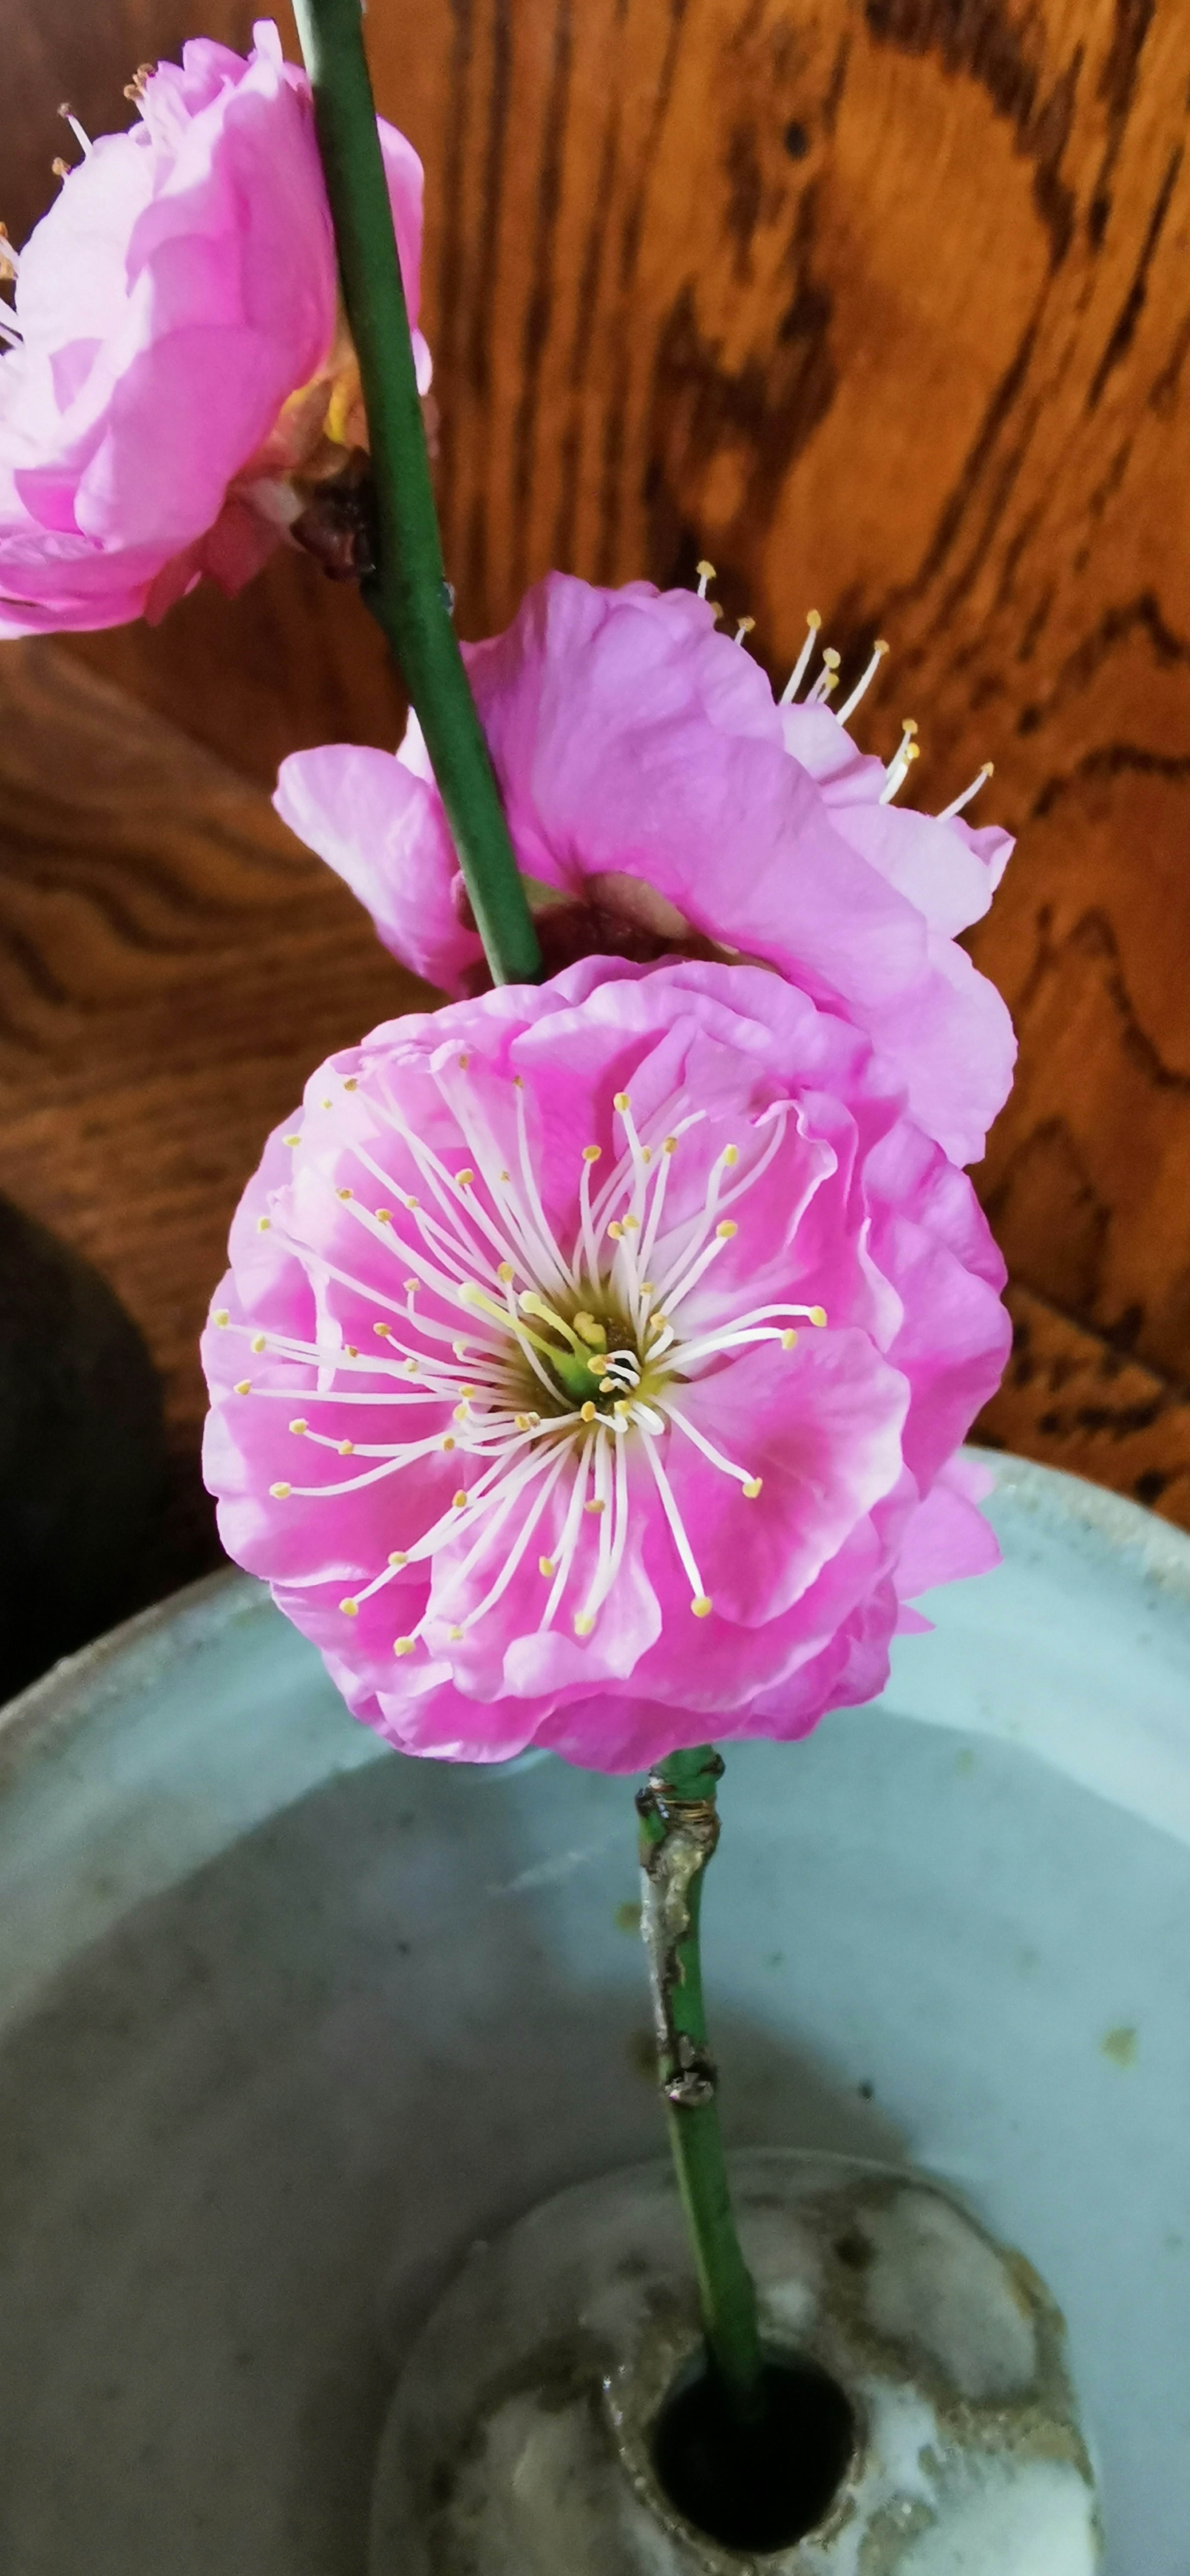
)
(591, 1364)
(659, 801)
(176, 352)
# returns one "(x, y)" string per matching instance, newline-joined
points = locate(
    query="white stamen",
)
(81, 136)
(906, 752)
(802, 664)
(828, 678)
(863, 684)
(948, 812)
(745, 627)
(676, 1523)
(706, 574)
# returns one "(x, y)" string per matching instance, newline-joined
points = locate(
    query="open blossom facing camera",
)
(659, 801)
(175, 354)
(591, 1365)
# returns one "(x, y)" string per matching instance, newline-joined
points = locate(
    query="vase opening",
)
(762, 2486)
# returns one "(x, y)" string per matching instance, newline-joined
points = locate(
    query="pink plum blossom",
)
(176, 352)
(660, 802)
(591, 1365)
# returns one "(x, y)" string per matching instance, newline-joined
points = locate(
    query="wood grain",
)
(884, 304)
(172, 966)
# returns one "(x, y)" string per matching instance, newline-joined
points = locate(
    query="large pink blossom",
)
(591, 1365)
(176, 353)
(660, 801)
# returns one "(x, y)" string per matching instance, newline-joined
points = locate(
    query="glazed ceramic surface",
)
(288, 2022)
(522, 2436)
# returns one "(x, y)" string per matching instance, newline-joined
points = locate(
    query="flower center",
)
(570, 1353)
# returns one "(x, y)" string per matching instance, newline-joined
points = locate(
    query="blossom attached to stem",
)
(568, 1382)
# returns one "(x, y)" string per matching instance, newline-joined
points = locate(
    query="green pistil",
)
(578, 1379)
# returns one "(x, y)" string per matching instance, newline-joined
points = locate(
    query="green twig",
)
(408, 595)
(679, 1828)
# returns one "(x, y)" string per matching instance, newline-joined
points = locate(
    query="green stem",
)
(679, 1828)
(408, 594)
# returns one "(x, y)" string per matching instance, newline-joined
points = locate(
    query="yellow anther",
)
(291, 1140)
(464, 1180)
(818, 1314)
(595, 1507)
(731, 1153)
(412, 1203)
(344, 1194)
(632, 1225)
(592, 1153)
(584, 1621)
(831, 658)
(279, 1492)
(751, 1487)
(587, 1412)
(327, 1104)
(258, 1342)
(656, 1323)
(221, 1316)
(464, 1061)
(411, 1286)
(385, 1331)
(702, 1606)
(616, 1230)
(262, 1224)
(621, 1101)
(523, 1422)
(788, 1340)
(705, 570)
(350, 1609)
(351, 1350)
(243, 1386)
(646, 1153)
(461, 1411)
(744, 626)
(384, 1216)
(397, 1556)
(450, 1441)
(410, 1368)
(671, 1145)
(908, 726)
(466, 1390)
(461, 1499)
(814, 619)
(403, 1645)
(346, 1448)
(726, 1228)
(352, 1082)
(546, 1565)
(506, 1274)
(589, 1330)
(454, 1635)
(607, 1386)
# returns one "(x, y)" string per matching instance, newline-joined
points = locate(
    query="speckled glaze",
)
(287, 2023)
(520, 2442)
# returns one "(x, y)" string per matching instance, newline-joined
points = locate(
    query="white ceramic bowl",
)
(286, 2022)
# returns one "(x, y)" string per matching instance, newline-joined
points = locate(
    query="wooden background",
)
(883, 304)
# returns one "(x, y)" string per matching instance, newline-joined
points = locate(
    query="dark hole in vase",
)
(762, 2486)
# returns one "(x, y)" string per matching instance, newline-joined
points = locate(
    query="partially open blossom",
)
(591, 1365)
(176, 358)
(659, 801)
